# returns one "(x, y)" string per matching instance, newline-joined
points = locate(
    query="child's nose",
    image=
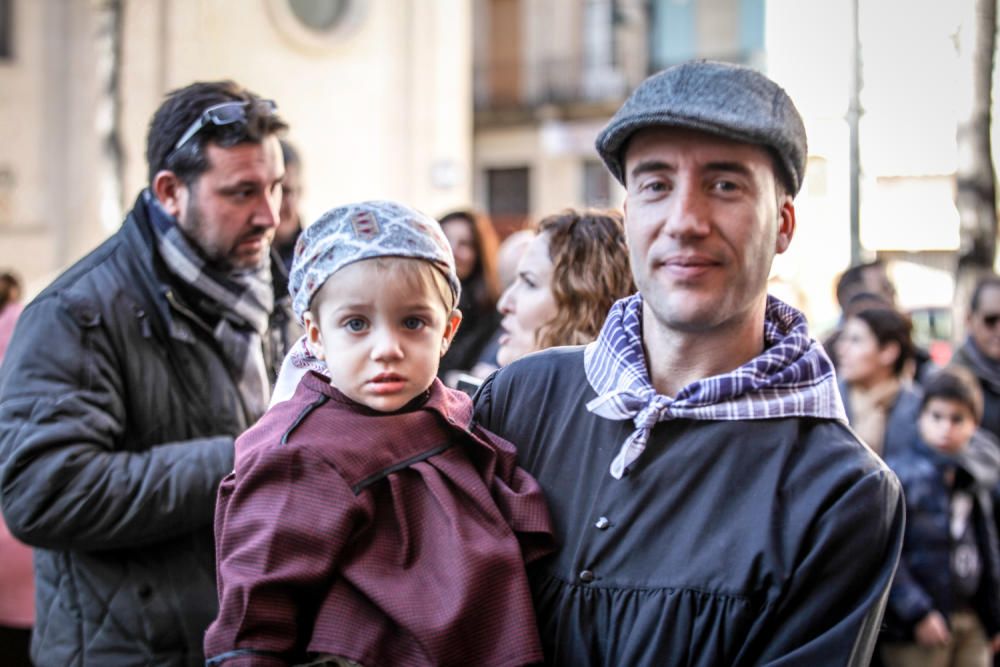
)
(386, 347)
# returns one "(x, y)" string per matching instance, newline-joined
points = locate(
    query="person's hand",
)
(933, 630)
(995, 643)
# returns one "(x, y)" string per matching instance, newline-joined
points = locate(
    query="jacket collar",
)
(139, 236)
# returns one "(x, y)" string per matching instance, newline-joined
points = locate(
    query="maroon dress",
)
(385, 538)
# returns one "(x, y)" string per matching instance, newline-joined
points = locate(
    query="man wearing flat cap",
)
(712, 505)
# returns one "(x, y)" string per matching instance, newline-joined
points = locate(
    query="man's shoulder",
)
(553, 364)
(94, 277)
(829, 448)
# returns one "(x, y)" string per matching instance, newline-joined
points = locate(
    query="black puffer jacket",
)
(117, 419)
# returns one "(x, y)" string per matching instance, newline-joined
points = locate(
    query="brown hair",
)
(890, 326)
(484, 283)
(590, 271)
(10, 288)
(955, 383)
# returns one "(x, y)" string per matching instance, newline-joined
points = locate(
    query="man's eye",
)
(355, 324)
(413, 323)
(725, 186)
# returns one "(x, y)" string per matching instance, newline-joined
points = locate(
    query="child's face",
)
(381, 338)
(946, 425)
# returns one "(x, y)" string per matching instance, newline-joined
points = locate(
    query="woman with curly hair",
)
(573, 271)
(474, 243)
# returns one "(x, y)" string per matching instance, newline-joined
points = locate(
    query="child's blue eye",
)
(413, 323)
(355, 324)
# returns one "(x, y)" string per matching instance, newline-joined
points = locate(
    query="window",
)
(731, 30)
(319, 15)
(507, 196)
(596, 185)
(316, 25)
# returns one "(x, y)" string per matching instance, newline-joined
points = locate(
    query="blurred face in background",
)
(528, 304)
(463, 245)
(863, 362)
(288, 214)
(946, 425)
(984, 324)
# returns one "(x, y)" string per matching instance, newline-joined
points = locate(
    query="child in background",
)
(368, 520)
(944, 605)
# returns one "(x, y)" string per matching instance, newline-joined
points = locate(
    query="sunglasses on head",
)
(990, 320)
(226, 113)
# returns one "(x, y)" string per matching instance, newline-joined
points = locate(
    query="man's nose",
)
(268, 211)
(690, 212)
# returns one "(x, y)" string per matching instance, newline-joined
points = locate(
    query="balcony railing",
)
(525, 84)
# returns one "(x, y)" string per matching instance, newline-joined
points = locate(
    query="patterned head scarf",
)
(360, 231)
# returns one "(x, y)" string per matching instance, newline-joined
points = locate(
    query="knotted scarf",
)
(792, 377)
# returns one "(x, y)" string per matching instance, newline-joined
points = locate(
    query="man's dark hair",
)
(10, 287)
(290, 153)
(890, 326)
(954, 383)
(853, 280)
(992, 280)
(182, 107)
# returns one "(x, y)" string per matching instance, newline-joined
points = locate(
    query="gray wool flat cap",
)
(729, 100)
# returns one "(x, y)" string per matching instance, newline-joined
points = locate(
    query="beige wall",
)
(384, 110)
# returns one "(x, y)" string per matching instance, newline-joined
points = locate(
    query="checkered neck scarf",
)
(793, 377)
(243, 299)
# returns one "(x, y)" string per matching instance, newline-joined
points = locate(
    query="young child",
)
(368, 520)
(943, 606)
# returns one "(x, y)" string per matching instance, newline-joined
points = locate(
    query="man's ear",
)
(450, 328)
(170, 191)
(786, 224)
(314, 337)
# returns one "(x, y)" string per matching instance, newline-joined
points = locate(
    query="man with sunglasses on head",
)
(129, 377)
(981, 351)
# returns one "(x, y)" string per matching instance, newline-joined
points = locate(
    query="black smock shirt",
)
(770, 542)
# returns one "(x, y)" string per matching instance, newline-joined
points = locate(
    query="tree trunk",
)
(976, 178)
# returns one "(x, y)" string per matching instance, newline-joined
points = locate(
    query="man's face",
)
(703, 223)
(984, 324)
(231, 211)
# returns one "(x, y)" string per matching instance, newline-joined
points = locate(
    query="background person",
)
(944, 608)
(290, 221)
(881, 403)
(575, 268)
(711, 504)
(10, 308)
(17, 586)
(128, 379)
(980, 352)
(474, 243)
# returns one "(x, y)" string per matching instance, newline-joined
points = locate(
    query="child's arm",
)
(907, 598)
(280, 528)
